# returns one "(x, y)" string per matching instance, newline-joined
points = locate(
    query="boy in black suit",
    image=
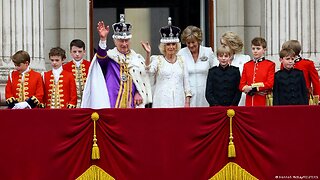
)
(223, 81)
(289, 84)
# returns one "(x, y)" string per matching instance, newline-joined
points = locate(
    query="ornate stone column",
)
(293, 19)
(21, 29)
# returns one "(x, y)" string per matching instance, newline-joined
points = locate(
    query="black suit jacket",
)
(223, 86)
(290, 88)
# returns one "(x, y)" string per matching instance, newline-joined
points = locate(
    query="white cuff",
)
(103, 44)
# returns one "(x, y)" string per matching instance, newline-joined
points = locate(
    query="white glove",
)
(22, 105)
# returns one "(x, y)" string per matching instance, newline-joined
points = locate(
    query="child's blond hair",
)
(224, 50)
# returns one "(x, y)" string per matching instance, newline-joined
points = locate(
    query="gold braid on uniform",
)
(56, 93)
(33, 101)
(69, 106)
(11, 102)
(79, 74)
(41, 105)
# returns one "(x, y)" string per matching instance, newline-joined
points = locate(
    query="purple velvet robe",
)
(111, 71)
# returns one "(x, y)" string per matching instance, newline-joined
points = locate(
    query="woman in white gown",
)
(171, 86)
(199, 60)
(234, 42)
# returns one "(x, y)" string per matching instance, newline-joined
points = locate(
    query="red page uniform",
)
(61, 94)
(27, 88)
(310, 74)
(80, 75)
(258, 72)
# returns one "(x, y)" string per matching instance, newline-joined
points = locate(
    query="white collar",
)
(24, 72)
(56, 73)
(77, 63)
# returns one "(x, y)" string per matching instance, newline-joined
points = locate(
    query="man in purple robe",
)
(123, 69)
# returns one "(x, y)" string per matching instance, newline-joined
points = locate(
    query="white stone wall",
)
(65, 20)
(21, 29)
(293, 19)
(275, 20)
(36, 26)
(230, 17)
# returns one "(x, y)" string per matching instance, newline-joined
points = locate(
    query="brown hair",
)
(77, 43)
(20, 57)
(57, 51)
(259, 41)
(224, 50)
(294, 45)
(191, 32)
(286, 52)
(233, 40)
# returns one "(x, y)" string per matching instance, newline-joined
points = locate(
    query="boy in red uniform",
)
(78, 66)
(258, 75)
(307, 66)
(60, 87)
(24, 87)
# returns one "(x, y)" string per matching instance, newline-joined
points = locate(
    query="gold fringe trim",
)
(233, 171)
(316, 99)
(231, 147)
(95, 173)
(269, 99)
(313, 99)
(95, 149)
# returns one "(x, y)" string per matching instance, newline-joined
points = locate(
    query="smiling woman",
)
(169, 72)
(199, 59)
(147, 17)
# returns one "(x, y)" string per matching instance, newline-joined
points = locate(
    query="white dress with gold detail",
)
(171, 84)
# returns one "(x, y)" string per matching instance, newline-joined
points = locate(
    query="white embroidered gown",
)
(171, 82)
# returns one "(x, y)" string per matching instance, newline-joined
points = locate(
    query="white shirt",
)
(56, 74)
(77, 63)
(24, 72)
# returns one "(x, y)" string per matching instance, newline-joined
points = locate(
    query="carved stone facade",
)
(38, 25)
(22, 29)
(293, 19)
(275, 20)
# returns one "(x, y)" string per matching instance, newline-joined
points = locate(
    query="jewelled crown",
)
(122, 30)
(169, 33)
